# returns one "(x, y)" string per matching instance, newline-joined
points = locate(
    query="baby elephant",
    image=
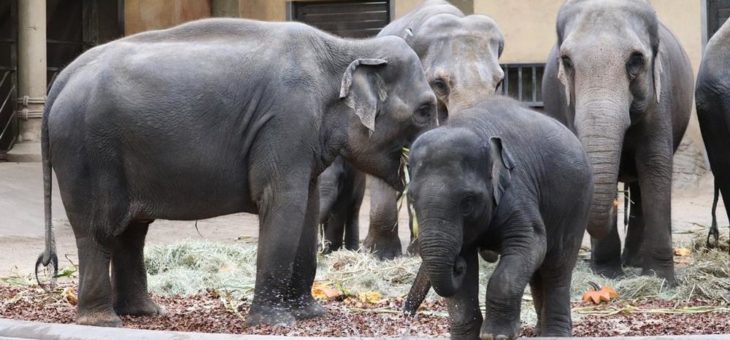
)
(503, 178)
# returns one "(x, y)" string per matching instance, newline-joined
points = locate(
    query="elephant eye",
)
(635, 64)
(567, 63)
(467, 205)
(424, 114)
(440, 87)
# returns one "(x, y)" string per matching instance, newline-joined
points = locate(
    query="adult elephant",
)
(215, 117)
(503, 178)
(713, 110)
(460, 57)
(620, 80)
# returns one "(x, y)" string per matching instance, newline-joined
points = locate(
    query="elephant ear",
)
(658, 69)
(362, 88)
(502, 166)
(563, 77)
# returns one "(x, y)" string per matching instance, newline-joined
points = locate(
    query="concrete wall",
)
(143, 15)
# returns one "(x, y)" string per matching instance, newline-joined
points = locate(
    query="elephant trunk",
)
(440, 243)
(601, 125)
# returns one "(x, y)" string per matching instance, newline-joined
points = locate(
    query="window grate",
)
(524, 83)
(350, 19)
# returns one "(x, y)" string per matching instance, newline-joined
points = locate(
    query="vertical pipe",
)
(31, 67)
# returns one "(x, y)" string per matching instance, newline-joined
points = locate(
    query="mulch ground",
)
(211, 312)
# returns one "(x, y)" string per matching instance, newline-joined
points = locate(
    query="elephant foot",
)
(272, 316)
(145, 307)
(384, 249)
(499, 331)
(634, 261)
(99, 319)
(307, 309)
(665, 272)
(611, 271)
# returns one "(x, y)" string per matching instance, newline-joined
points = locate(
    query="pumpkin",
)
(599, 294)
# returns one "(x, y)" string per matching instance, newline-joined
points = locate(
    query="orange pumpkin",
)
(597, 294)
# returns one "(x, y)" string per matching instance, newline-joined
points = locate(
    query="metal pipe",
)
(31, 67)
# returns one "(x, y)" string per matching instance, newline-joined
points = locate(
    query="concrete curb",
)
(18, 329)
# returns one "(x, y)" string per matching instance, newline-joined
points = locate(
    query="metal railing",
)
(8, 127)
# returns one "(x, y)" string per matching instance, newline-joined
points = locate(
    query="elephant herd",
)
(282, 120)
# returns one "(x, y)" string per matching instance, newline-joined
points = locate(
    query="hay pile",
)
(192, 266)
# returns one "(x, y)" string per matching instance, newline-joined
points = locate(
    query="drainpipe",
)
(31, 68)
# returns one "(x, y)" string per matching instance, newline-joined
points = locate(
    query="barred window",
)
(524, 83)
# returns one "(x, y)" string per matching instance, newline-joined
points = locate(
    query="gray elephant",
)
(460, 57)
(216, 117)
(712, 96)
(503, 178)
(620, 80)
(341, 190)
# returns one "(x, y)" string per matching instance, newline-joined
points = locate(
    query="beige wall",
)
(143, 15)
(528, 27)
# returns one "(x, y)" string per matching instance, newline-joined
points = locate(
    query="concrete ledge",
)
(18, 329)
(25, 152)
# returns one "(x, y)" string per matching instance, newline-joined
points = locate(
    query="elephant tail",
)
(49, 254)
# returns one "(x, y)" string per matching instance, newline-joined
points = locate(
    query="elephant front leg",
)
(464, 305)
(519, 260)
(282, 219)
(654, 167)
(300, 300)
(382, 237)
(606, 252)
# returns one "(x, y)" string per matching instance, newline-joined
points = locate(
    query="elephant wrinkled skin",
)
(215, 117)
(620, 80)
(504, 178)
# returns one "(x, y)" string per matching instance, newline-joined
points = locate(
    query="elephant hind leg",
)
(536, 289)
(95, 298)
(382, 239)
(129, 277)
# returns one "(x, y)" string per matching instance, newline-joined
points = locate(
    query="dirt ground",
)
(690, 213)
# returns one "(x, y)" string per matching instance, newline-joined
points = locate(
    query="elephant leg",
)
(334, 229)
(382, 239)
(282, 227)
(352, 226)
(522, 254)
(95, 291)
(301, 302)
(714, 232)
(606, 253)
(537, 300)
(129, 277)
(654, 169)
(463, 307)
(725, 190)
(635, 231)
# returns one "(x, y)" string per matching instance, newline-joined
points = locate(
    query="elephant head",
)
(609, 65)
(458, 181)
(388, 102)
(460, 57)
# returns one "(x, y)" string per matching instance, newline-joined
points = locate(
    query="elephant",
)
(460, 57)
(504, 178)
(341, 191)
(214, 117)
(619, 79)
(712, 97)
